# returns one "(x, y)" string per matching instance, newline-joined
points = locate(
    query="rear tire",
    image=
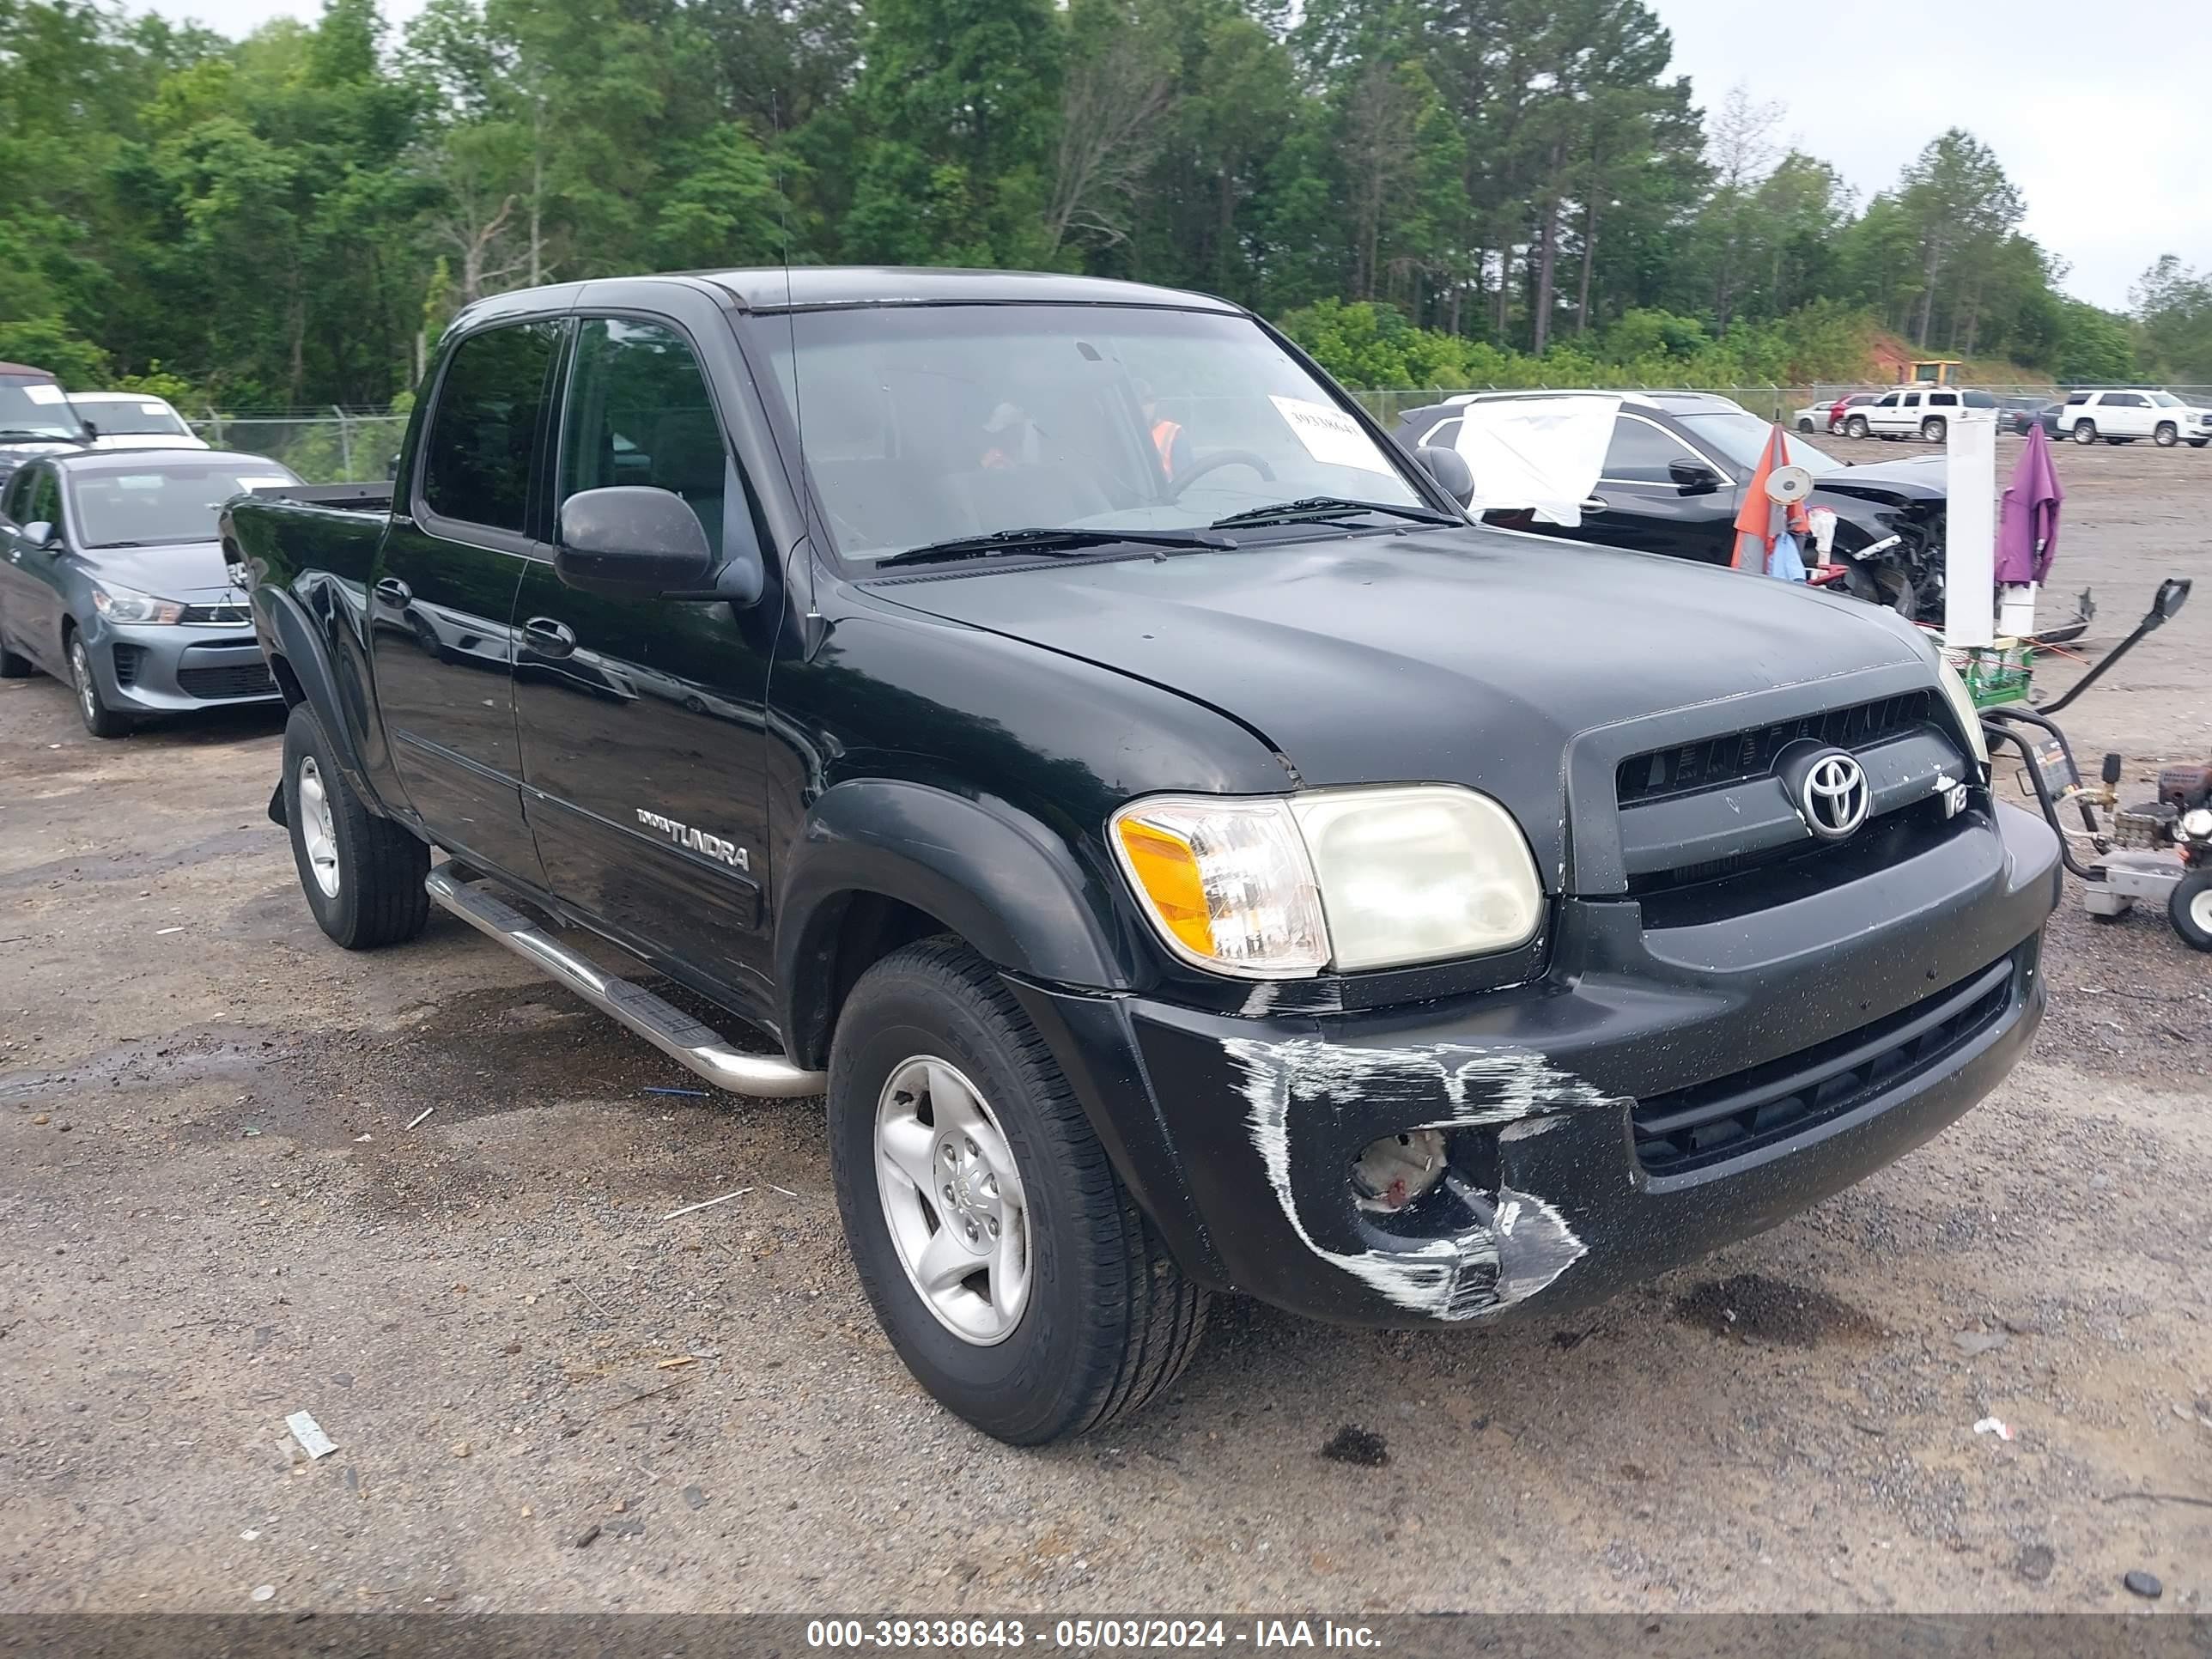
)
(2189, 908)
(2167, 434)
(2085, 432)
(1934, 428)
(1104, 1320)
(362, 874)
(1856, 427)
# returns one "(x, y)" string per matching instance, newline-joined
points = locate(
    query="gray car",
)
(112, 578)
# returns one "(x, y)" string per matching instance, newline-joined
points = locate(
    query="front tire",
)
(2085, 432)
(91, 707)
(362, 874)
(2167, 434)
(948, 1117)
(2190, 909)
(1805, 426)
(1856, 427)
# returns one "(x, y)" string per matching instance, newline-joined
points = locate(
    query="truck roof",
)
(816, 288)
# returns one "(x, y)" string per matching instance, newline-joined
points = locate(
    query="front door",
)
(642, 720)
(1639, 502)
(441, 605)
(33, 602)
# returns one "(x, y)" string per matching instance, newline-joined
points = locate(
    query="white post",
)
(1970, 548)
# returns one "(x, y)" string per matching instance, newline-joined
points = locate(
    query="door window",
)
(639, 413)
(2124, 400)
(43, 502)
(483, 433)
(12, 498)
(1641, 453)
(1909, 400)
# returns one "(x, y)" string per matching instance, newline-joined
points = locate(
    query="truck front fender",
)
(998, 878)
(1024, 900)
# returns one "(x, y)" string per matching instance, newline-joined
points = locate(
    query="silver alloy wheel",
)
(318, 830)
(2200, 909)
(88, 690)
(952, 1199)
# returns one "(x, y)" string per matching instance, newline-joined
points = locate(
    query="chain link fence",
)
(333, 448)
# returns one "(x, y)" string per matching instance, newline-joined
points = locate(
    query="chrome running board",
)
(666, 1026)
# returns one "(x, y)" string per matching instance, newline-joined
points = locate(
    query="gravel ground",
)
(546, 1397)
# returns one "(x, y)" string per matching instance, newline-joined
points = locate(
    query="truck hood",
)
(177, 570)
(1469, 656)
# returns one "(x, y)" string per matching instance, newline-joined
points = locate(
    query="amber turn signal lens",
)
(1165, 867)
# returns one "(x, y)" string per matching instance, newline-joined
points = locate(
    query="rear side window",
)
(1942, 400)
(483, 433)
(2124, 399)
(2080, 397)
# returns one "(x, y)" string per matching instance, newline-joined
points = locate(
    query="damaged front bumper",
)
(1659, 1092)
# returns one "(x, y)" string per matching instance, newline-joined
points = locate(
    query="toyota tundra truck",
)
(1189, 855)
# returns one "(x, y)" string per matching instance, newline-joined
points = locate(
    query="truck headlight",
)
(127, 604)
(1962, 705)
(1280, 887)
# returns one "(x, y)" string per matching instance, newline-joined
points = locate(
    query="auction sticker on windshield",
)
(1331, 436)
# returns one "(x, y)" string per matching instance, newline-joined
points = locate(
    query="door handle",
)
(549, 638)
(392, 591)
(1595, 504)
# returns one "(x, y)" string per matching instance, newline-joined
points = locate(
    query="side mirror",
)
(39, 533)
(1695, 478)
(632, 541)
(2171, 594)
(1449, 468)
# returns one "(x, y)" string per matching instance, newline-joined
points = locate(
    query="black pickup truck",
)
(1187, 853)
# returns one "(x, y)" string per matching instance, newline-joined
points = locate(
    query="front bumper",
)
(1237, 1135)
(171, 668)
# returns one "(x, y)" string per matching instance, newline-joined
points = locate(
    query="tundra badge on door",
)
(697, 839)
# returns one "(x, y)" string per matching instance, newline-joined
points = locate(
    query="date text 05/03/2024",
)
(1088, 1635)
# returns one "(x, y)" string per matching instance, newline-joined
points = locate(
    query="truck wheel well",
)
(288, 682)
(866, 928)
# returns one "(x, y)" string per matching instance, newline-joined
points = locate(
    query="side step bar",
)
(667, 1027)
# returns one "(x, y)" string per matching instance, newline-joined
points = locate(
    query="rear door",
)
(2124, 415)
(441, 604)
(644, 720)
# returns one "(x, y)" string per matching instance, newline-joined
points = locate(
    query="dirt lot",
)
(214, 1216)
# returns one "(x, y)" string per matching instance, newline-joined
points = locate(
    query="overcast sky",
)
(2095, 109)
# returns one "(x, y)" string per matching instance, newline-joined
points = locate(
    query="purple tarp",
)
(2027, 521)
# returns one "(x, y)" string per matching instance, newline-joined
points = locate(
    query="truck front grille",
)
(1716, 762)
(1731, 1116)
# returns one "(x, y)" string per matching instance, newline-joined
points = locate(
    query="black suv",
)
(1188, 854)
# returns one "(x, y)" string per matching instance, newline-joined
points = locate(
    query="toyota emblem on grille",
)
(1833, 796)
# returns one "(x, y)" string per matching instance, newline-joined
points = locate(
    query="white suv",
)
(1916, 411)
(2121, 417)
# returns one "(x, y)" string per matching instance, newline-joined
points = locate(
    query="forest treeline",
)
(1426, 191)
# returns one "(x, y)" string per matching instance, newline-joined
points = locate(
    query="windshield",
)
(36, 407)
(133, 417)
(170, 504)
(1741, 437)
(924, 424)
(2165, 400)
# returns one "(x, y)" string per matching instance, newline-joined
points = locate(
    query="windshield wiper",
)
(1070, 540)
(1329, 506)
(30, 434)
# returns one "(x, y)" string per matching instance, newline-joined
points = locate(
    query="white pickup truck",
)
(2121, 417)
